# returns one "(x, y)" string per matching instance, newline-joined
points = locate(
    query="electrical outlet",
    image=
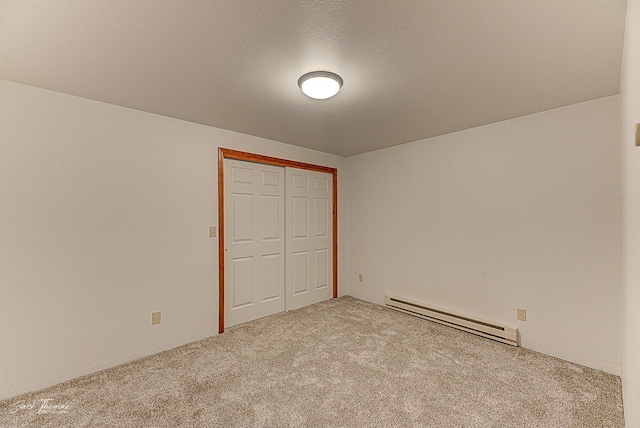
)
(360, 277)
(522, 314)
(156, 317)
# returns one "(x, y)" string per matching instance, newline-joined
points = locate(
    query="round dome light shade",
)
(320, 85)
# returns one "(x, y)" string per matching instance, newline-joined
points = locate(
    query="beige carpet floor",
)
(340, 363)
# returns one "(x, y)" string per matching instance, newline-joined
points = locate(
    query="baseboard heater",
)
(488, 329)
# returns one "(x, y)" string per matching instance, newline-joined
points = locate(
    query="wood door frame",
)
(252, 157)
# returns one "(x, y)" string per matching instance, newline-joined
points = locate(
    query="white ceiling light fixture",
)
(320, 85)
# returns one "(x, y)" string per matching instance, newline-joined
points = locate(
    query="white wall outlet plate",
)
(522, 314)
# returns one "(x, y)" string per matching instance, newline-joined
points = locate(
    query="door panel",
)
(321, 263)
(300, 272)
(322, 219)
(309, 248)
(242, 279)
(271, 216)
(254, 222)
(242, 217)
(271, 276)
(300, 217)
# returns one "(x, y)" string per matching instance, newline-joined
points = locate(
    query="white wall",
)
(523, 213)
(104, 216)
(630, 101)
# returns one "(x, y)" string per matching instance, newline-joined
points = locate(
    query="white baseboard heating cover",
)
(491, 330)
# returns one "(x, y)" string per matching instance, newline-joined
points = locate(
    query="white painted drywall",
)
(524, 213)
(104, 218)
(630, 102)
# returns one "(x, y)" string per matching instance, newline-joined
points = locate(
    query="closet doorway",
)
(277, 223)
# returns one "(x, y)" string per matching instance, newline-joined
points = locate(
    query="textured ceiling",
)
(412, 69)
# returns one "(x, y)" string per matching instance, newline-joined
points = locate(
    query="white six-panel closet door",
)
(254, 201)
(309, 251)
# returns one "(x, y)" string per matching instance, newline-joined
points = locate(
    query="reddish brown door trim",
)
(251, 157)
